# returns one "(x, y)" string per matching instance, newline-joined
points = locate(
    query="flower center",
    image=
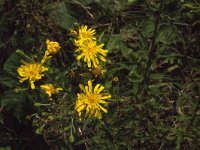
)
(32, 73)
(90, 49)
(92, 98)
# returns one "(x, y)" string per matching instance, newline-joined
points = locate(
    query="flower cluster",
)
(35, 71)
(87, 47)
(90, 100)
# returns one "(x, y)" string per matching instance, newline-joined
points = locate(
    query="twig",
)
(85, 8)
(151, 52)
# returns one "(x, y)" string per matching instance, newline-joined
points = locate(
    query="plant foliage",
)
(153, 74)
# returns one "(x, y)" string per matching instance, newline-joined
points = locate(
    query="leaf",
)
(115, 44)
(5, 148)
(86, 123)
(179, 140)
(172, 68)
(168, 35)
(13, 101)
(86, 1)
(148, 28)
(126, 52)
(101, 36)
(81, 141)
(112, 44)
(131, 1)
(11, 64)
(8, 81)
(61, 15)
(108, 84)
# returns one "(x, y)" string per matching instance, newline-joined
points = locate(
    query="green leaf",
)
(108, 84)
(5, 148)
(112, 44)
(86, 1)
(131, 1)
(71, 138)
(179, 140)
(8, 81)
(14, 102)
(101, 36)
(172, 68)
(115, 44)
(126, 52)
(168, 35)
(86, 123)
(61, 15)
(148, 28)
(12, 64)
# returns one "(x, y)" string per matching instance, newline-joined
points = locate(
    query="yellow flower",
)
(84, 35)
(31, 72)
(50, 89)
(52, 48)
(98, 71)
(91, 100)
(91, 53)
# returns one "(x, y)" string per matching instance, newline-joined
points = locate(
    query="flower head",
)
(52, 48)
(90, 52)
(91, 100)
(50, 89)
(31, 72)
(84, 34)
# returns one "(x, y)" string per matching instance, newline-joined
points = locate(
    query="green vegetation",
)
(153, 75)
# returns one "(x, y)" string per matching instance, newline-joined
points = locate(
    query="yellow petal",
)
(87, 110)
(96, 88)
(48, 93)
(102, 102)
(98, 114)
(59, 89)
(86, 89)
(44, 87)
(32, 85)
(89, 63)
(102, 58)
(106, 96)
(90, 86)
(80, 108)
(82, 87)
(102, 108)
(79, 57)
(100, 89)
(47, 41)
